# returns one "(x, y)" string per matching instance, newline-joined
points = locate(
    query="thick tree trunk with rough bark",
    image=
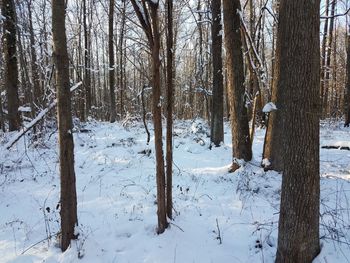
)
(299, 74)
(217, 112)
(111, 70)
(68, 199)
(241, 143)
(10, 61)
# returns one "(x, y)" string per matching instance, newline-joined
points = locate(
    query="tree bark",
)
(157, 118)
(121, 60)
(299, 75)
(327, 70)
(324, 48)
(148, 17)
(111, 70)
(217, 114)
(87, 75)
(169, 124)
(242, 148)
(10, 61)
(273, 144)
(347, 87)
(37, 92)
(68, 199)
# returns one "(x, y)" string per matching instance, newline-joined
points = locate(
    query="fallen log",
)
(38, 118)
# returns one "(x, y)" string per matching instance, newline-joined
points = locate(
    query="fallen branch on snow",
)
(25, 129)
(347, 148)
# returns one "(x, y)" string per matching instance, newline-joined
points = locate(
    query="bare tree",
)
(68, 199)
(347, 88)
(37, 89)
(241, 142)
(87, 75)
(147, 13)
(217, 114)
(169, 129)
(10, 60)
(111, 70)
(325, 85)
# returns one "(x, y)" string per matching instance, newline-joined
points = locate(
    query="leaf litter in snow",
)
(219, 217)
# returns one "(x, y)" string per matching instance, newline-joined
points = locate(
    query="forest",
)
(174, 131)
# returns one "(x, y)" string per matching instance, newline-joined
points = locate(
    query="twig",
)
(219, 233)
(30, 247)
(337, 15)
(177, 227)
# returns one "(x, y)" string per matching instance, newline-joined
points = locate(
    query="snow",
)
(24, 109)
(116, 199)
(265, 162)
(37, 119)
(270, 106)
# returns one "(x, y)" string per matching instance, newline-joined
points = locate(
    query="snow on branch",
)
(27, 127)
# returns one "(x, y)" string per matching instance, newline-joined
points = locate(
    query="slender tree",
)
(147, 13)
(347, 84)
(68, 199)
(37, 89)
(121, 66)
(298, 50)
(217, 113)
(241, 143)
(10, 60)
(327, 66)
(169, 124)
(87, 75)
(112, 109)
(273, 145)
(324, 47)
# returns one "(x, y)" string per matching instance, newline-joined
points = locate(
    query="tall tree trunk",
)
(333, 97)
(157, 118)
(273, 49)
(217, 114)
(273, 146)
(324, 49)
(37, 92)
(121, 58)
(87, 75)
(10, 61)
(328, 61)
(148, 18)
(169, 124)
(68, 199)
(299, 75)
(347, 84)
(112, 110)
(242, 148)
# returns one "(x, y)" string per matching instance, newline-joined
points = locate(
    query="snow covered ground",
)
(220, 217)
